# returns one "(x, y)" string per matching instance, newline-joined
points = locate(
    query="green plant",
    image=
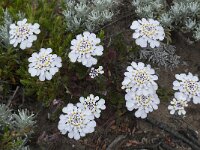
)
(14, 64)
(181, 15)
(89, 14)
(15, 129)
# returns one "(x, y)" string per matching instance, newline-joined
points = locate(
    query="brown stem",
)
(173, 132)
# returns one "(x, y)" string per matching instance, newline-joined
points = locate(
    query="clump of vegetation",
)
(55, 35)
(162, 56)
(148, 8)
(89, 14)
(14, 62)
(15, 129)
(4, 28)
(181, 15)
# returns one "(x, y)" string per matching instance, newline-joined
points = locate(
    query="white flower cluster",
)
(77, 122)
(148, 31)
(95, 72)
(78, 119)
(93, 103)
(140, 85)
(23, 33)
(188, 87)
(84, 47)
(44, 64)
(178, 104)
(143, 103)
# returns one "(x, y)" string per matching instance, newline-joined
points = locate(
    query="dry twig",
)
(10, 100)
(173, 132)
(116, 141)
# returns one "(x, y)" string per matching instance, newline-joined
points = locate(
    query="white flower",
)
(140, 79)
(84, 47)
(100, 70)
(148, 31)
(188, 85)
(126, 86)
(77, 122)
(178, 104)
(95, 72)
(23, 33)
(143, 103)
(93, 103)
(44, 64)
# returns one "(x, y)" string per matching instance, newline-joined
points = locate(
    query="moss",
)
(165, 94)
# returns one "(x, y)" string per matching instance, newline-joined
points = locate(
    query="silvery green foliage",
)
(148, 8)
(183, 15)
(185, 12)
(5, 115)
(21, 124)
(163, 56)
(90, 14)
(183, 9)
(4, 28)
(197, 32)
(25, 148)
(166, 19)
(190, 24)
(21, 15)
(24, 120)
(21, 121)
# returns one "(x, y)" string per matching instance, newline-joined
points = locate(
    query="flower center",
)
(181, 104)
(23, 31)
(141, 77)
(148, 29)
(93, 72)
(191, 87)
(44, 61)
(76, 119)
(90, 104)
(84, 47)
(143, 100)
